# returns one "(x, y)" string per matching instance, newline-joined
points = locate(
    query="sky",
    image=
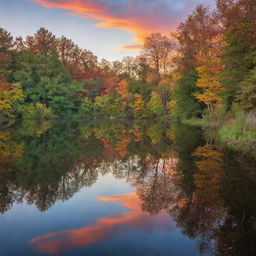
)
(111, 29)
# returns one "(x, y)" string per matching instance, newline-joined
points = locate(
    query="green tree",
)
(246, 95)
(86, 108)
(164, 89)
(186, 105)
(155, 105)
(139, 87)
(45, 80)
(238, 20)
(35, 111)
(6, 45)
(102, 105)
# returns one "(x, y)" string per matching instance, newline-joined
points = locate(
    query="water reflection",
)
(176, 174)
(105, 227)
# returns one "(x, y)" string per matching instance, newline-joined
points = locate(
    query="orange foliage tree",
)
(209, 82)
(138, 105)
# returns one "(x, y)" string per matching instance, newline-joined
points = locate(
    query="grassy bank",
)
(237, 131)
(240, 132)
(206, 122)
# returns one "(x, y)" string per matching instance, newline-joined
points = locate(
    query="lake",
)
(119, 187)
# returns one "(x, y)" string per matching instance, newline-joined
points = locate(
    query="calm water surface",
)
(124, 188)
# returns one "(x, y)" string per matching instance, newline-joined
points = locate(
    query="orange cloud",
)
(140, 17)
(131, 47)
(61, 241)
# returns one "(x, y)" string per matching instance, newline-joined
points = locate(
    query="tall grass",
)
(240, 132)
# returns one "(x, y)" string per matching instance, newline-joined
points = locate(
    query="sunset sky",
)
(110, 28)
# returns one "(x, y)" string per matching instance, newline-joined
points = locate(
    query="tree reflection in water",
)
(207, 189)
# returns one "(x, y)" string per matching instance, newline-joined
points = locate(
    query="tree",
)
(6, 45)
(91, 88)
(105, 67)
(11, 99)
(138, 105)
(129, 66)
(186, 105)
(43, 42)
(196, 37)
(37, 111)
(140, 87)
(117, 68)
(158, 48)
(155, 105)
(199, 46)
(86, 108)
(141, 68)
(65, 48)
(165, 89)
(246, 95)
(123, 90)
(238, 18)
(82, 64)
(6, 40)
(209, 82)
(102, 105)
(87, 65)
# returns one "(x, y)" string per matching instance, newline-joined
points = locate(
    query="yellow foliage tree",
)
(125, 97)
(122, 89)
(210, 84)
(10, 97)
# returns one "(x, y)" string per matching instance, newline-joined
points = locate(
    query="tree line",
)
(206, 67)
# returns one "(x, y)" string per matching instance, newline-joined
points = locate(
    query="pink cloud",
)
(105, 227)
(140, 17)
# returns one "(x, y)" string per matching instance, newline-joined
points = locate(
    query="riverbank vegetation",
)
(205, 70)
